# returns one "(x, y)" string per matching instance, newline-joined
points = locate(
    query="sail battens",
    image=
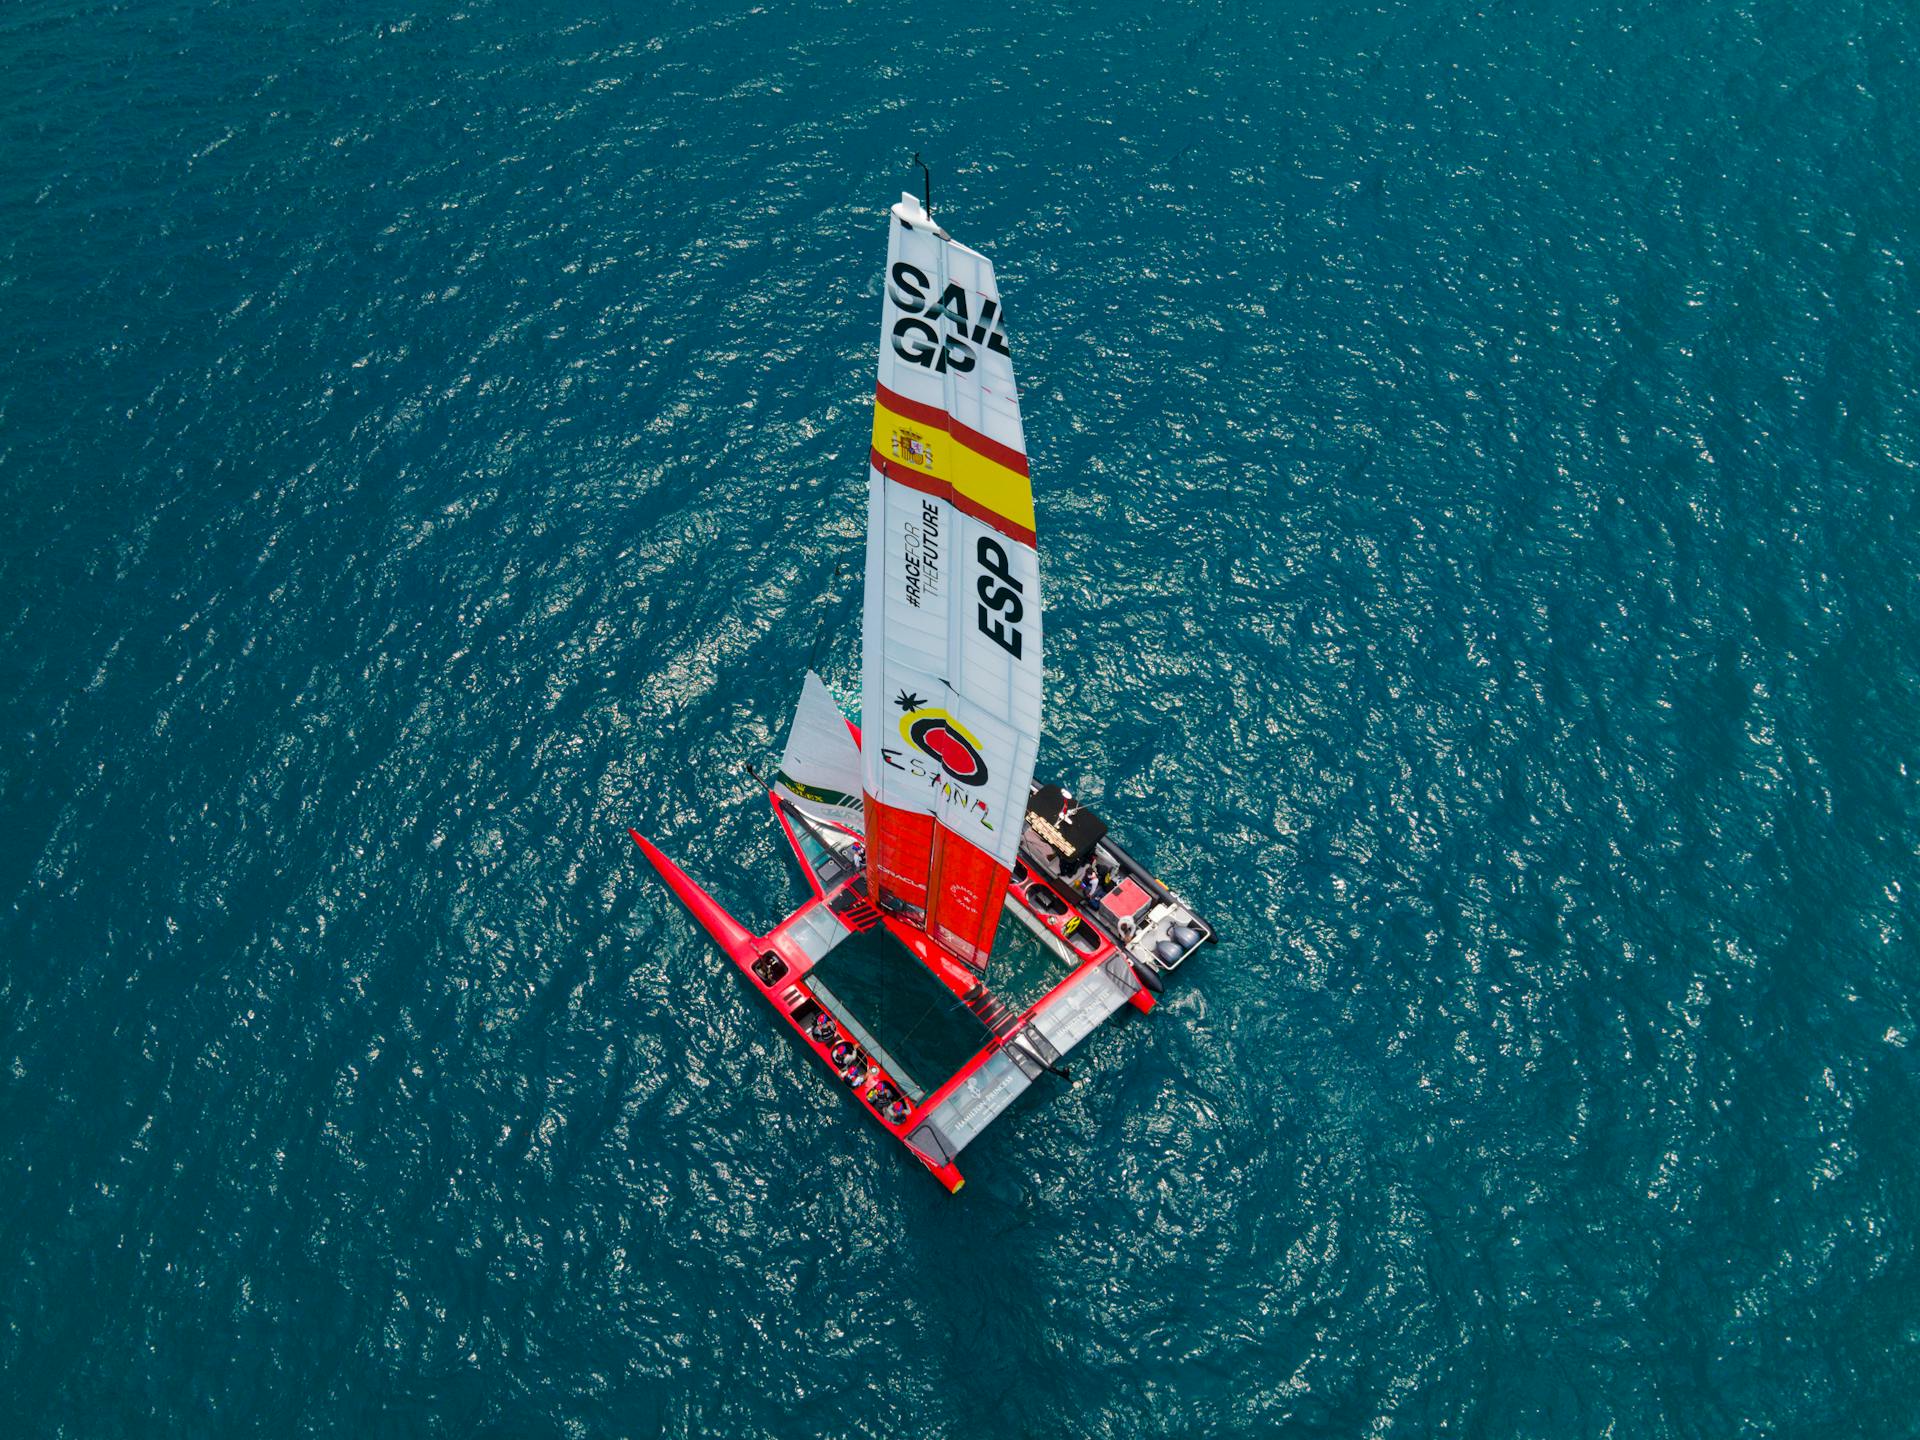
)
(951, 670)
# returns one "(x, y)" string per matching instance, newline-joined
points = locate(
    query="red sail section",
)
(899, 858)
(968, 887)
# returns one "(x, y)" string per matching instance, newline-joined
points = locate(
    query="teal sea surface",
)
(1476, 452)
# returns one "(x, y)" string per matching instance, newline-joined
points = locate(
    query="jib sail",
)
(820, 771)
(951, 662)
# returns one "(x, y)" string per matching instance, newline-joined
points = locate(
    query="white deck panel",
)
(1076, 1012)
(814, 931)
(978, 1099)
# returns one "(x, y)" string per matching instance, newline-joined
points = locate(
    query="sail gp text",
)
(916, 334)
(952, 795)
(921, 559)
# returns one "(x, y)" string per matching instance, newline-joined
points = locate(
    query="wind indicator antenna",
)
(926, 185)
(758, 778)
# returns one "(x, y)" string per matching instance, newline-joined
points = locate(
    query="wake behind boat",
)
(925, 818)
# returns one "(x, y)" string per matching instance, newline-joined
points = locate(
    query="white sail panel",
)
(820, 769)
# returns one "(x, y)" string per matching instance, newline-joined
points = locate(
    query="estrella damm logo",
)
(937, 735)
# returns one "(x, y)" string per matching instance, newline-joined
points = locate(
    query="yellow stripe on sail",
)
(975, 477)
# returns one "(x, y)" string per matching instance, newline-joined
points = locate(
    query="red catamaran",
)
(934, 823)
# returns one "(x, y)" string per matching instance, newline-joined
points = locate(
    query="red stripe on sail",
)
(924, 484)
(936, 418)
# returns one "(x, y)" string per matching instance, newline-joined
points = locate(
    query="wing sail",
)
(951, 669)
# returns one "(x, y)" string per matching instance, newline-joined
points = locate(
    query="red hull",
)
(789, 992)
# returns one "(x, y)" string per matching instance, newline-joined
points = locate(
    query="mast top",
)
(926, 185)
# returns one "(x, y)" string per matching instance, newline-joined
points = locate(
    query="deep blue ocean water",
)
(1476, 454)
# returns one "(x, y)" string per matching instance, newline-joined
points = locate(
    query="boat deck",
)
(1085, 965)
